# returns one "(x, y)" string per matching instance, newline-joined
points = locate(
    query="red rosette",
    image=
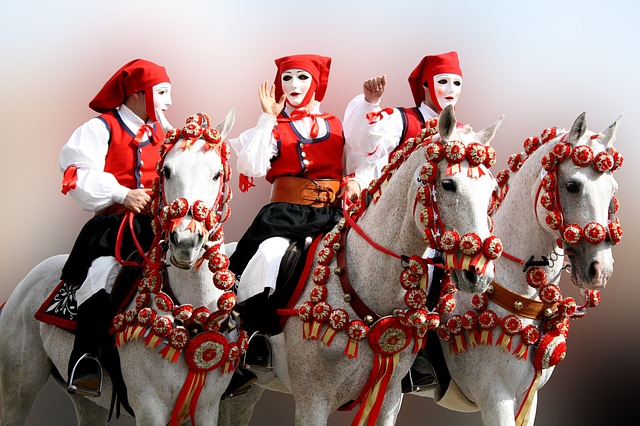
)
(234, 351)
(551, 350)
(211, 221)
(531, 144)
(131, 316)
(218, 261)
(199, 210)
(475, 153)
(321, 274)
(562, 151)
(414, 317)
(191, 130)
(536, 277)
(212, 135)
(444, 335)
(434, 151)
(594, 233)
(199, 118)
(146, 316)
(172, 136)
(548, 201)
(548, 161)
(142, 300)
(162, 325)
(450, 241)
(200, 314)
(318, 293)
(119, 322)
(321, 312)
(480, 301)
(151, 283)
(433, 320)
(492, 247)
(554, 219)
(572, 234)
(417, 265)
(454, 151)
(409, 280)
(183, 312)
(618, 160)
(338, 319)
(447, 304)
(470, 244)
(357, 330)
(549, 182)
(206, 351)
(415, 298)
(164, 302)
(178, 338)
(615, 232)
(388, 336)
(214, 320)
(550, 293)
(225, 153)
(592, 297)
(325, 256)
(582, 155)
(217, 236)
(305, 312)
(428, 217)
(454, 325)
(548, 134)
(602, 162)
(429, 172)
(224, 279)
(488, 320)
(179, 207)
(493, 204)
(514, 162)
(227, 301)
(423, 197)
(568, 306)
(511, 325)
(614, 205)
(243, 340)
(491, 156)
(529, 335)
(469, 321)
(330, 239)
(502, 178)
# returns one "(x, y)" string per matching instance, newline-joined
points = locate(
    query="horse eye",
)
(166, 172)
(448, 185)
(572, 187)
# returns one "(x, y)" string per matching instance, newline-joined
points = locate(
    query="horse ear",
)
(609, 134)
(486, 135)
(447, 123)
(578, 129)
(224, 127)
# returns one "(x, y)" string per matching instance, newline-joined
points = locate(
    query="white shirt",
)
(87, 150)
(255, 147)
(375, 141)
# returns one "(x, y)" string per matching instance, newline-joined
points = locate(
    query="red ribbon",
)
(245, 183)
(69, 179)
(375, 116)
(145, 130)
(301, 113)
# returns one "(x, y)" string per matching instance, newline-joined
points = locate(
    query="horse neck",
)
(522, 232)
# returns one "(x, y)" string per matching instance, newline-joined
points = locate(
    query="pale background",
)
(541, 63)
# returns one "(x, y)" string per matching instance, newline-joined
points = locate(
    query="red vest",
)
(134, 166)
(319, 158)
(412, 123)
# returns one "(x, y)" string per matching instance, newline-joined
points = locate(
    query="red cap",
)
(317, 66)
(135, 76)
(430, 66)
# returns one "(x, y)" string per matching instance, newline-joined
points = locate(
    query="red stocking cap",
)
(136, 76)
(317, 66)
(430, 66)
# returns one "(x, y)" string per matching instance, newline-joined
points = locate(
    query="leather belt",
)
(305, 191)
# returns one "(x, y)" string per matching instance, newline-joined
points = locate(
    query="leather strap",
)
(304, 191)
(518, 304)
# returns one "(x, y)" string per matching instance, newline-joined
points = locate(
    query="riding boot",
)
(92, 332)
(420, 377)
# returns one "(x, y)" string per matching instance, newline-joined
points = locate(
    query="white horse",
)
(355, 327)
(173, 335)
(502, 346)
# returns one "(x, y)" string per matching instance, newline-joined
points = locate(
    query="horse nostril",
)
(173, 238)
(594, 270)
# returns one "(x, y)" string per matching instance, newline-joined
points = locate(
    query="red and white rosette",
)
(582, 155)
(455, 329)
(510, 325)
(429, 172)
(594, 233)
(409, 280)
(224, 279)
(492, 247)
(487, 321)
(469, 322)
(338, 320)
(389, 336)
(357, 331)
(321, 274)
(536, 276)
(551, 350)
(227, 301)
(491, 156)
(434, 151)
(206, 351)
(603, 161)
(572, 234)
(531, 144)
(320, 314)
(178, 339)
(416, 298)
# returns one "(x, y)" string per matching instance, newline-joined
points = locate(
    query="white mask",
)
(447, 88)
(296, 84)
(162, 96)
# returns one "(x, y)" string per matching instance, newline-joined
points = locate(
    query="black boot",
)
(240, 383)
(92, 331)
(420, 377)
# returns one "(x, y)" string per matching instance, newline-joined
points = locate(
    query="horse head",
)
(461, 193)
(194, 193)
(583, 163)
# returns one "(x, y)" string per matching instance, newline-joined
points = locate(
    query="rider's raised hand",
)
(374, 88)
(268, 99)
